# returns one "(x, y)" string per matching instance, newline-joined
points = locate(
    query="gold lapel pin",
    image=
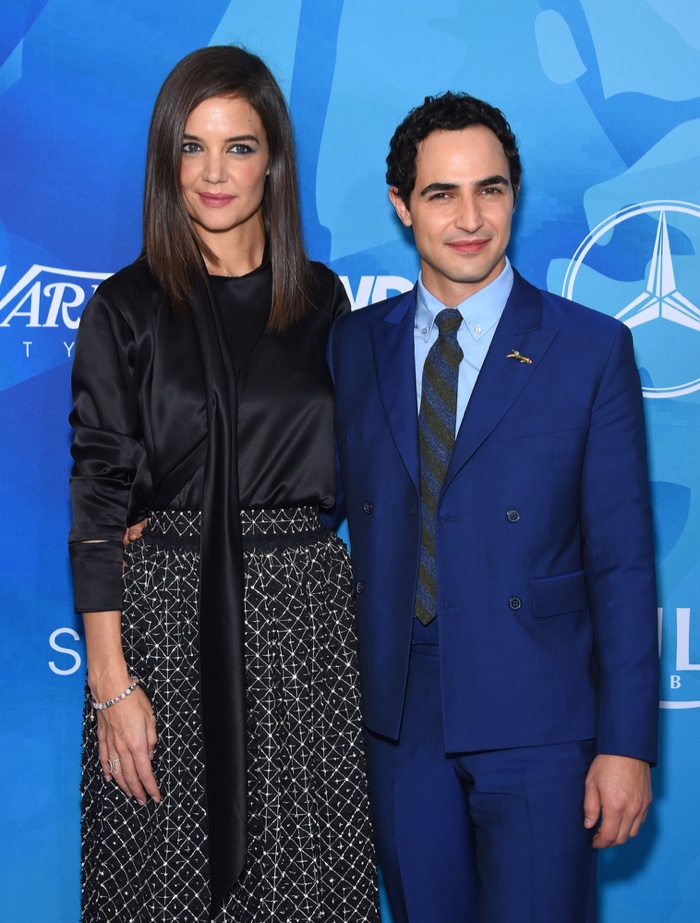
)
(514, 354)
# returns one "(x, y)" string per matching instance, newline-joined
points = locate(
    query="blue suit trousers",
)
(493, 836)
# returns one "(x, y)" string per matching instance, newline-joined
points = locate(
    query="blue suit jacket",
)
(546, 593)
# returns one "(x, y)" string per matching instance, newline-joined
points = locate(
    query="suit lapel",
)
(394, 363)
(501, 380)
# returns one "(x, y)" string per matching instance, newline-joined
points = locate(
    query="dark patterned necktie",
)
(436, 430)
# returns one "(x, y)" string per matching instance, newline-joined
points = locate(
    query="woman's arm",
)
(126, 731)
(107, 448)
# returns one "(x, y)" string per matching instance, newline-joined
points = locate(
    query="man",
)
(494, 473)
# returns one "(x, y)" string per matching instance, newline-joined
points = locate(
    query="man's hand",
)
(619, 787)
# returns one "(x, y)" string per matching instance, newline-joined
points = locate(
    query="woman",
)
(223, 767)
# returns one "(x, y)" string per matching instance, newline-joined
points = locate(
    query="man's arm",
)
(620, 566)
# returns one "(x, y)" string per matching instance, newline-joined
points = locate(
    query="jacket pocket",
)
(559, 595)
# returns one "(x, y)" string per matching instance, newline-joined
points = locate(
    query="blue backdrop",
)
(604, 97)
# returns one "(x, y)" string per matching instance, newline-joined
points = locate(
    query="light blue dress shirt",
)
(481, 313)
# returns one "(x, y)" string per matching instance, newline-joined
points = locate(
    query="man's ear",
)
(516, 193)
(400, 206)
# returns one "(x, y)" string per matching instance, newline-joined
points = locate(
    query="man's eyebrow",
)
(437, 187)
(496, 180)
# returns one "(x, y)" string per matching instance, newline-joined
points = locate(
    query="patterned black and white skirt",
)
(310, 855)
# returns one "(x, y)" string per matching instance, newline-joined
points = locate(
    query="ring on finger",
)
(113, 764)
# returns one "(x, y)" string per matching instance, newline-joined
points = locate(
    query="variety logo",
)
(48, 297)
(372, 289)
(665, 313)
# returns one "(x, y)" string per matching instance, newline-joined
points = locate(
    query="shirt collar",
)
(480, 311)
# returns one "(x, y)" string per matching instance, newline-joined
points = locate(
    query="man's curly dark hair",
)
(447, 112)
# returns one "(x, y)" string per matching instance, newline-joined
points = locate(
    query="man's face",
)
(461, 210)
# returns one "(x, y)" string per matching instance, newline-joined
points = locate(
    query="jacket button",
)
(367, 507)
(359, 588)
(515, 602)
(512, 515)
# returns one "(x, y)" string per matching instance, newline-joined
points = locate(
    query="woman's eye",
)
(240, 149)
(190, 147)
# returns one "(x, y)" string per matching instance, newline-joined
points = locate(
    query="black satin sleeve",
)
(140, 425)
(107, 453)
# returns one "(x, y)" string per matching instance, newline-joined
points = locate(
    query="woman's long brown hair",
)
(170, 246)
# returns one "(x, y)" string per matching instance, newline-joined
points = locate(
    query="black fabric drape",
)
(221, 626)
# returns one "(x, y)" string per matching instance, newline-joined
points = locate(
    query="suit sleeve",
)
(618, 547)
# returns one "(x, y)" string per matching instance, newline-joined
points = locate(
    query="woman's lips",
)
(215, 201)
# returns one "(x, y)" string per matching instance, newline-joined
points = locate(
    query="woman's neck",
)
(236, 255)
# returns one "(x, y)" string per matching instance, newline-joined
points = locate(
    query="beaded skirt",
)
(310, 855)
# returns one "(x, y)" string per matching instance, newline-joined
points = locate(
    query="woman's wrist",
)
(115, 700)
(104, 686)
(109, 681)
(108, 672)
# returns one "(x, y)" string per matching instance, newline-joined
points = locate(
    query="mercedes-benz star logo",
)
(667, 351)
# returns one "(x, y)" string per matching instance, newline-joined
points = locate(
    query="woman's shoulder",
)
(322, 272)
(331, 296)
(132, 283)
(127, 294)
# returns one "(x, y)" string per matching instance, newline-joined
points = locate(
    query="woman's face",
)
(225, 162)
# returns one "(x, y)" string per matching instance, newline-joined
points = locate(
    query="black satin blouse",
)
(140, 415)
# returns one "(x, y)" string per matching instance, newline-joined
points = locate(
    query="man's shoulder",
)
(361, 318)
(569, 315)
(579, 315)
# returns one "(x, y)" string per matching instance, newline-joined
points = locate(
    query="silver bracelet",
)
(100, 706)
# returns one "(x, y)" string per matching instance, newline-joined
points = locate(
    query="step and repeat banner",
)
(604, 96)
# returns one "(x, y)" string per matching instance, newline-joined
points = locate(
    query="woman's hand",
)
(132, 533)
(126, 732)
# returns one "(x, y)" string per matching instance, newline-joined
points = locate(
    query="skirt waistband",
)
(182, 528)
(175, 528)
(296, 520)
